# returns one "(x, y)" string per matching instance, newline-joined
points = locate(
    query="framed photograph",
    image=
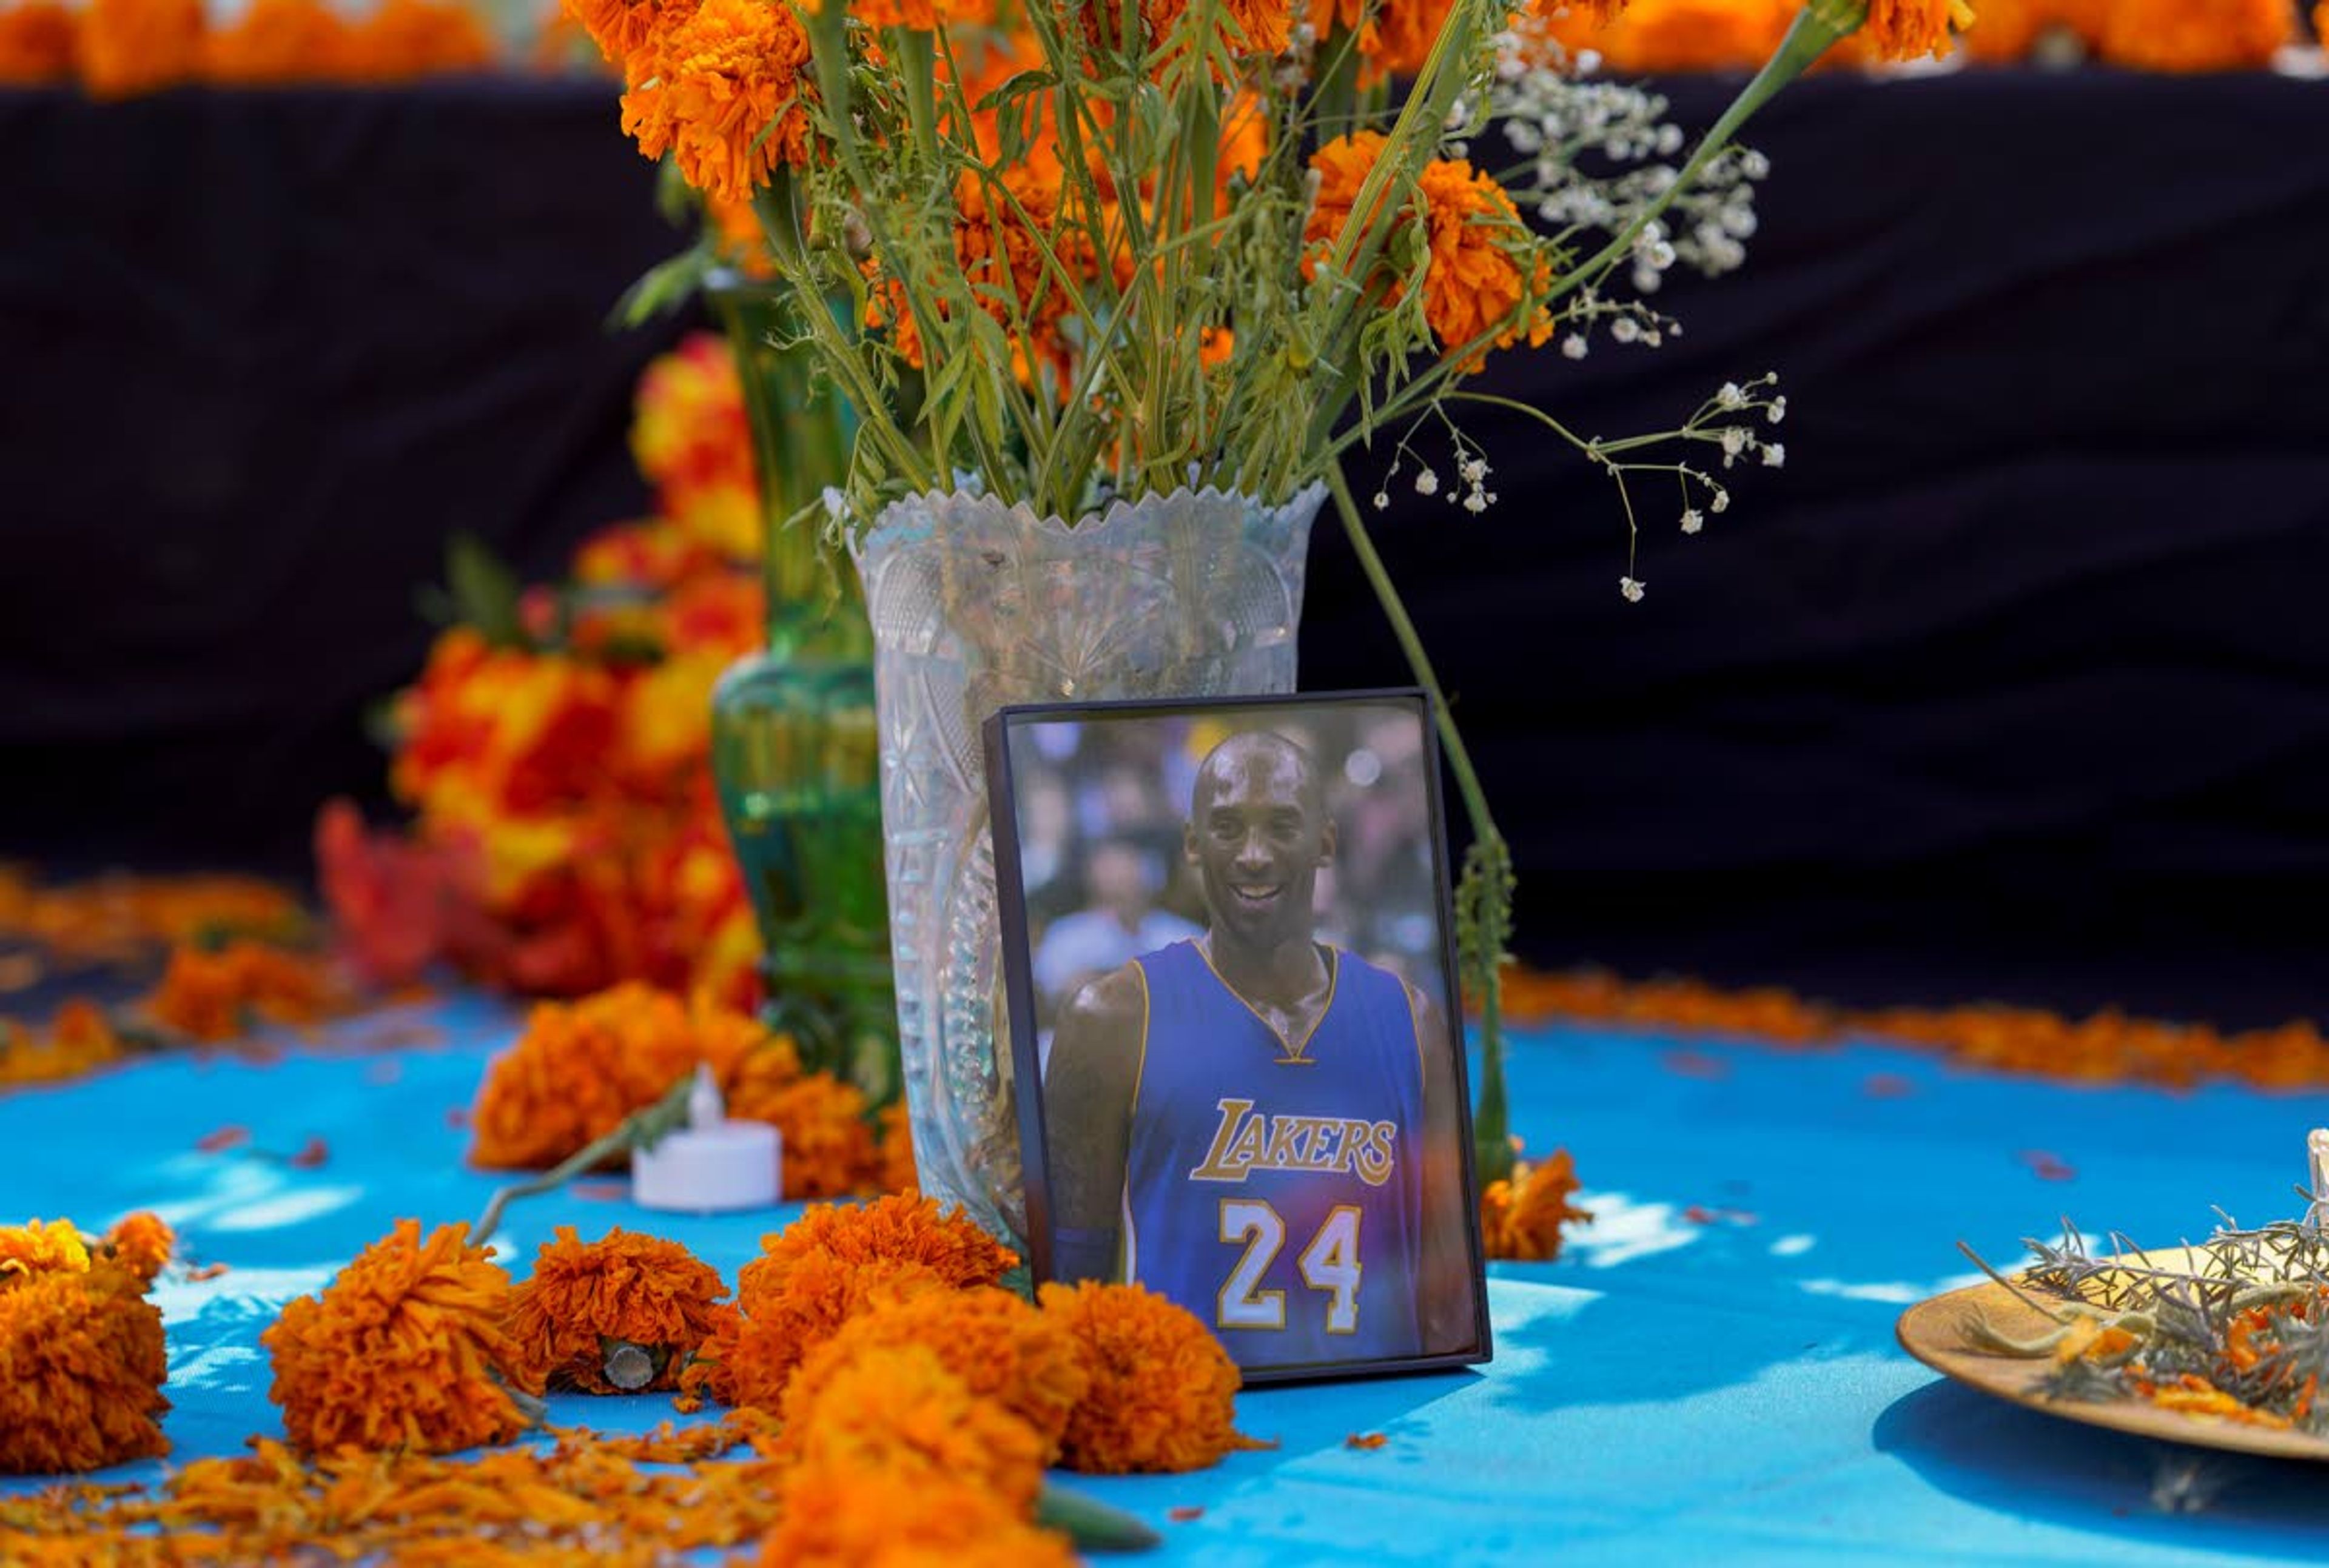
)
(1235, 1036)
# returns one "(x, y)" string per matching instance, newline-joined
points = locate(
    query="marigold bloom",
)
(883, 1519)
(898, 1228)
(1025, 1361)
(278, 40)
(405, 39)
(1473, 282)
(1911, 29)
(721, 78)
(216, 996)
(1164, 1392)
(39, 39)
(405, 1348)
(898, 1408)
(2180, 36)
(1668, 35)
(693, 440)
(922, 16)
(624, 30)
(1013, 247)
(1521, 1216)
(898, 1172)
(654, 1294)
(81, 1366)
(756, 1348)
(823, 1269)
(580, 1068)
(140, 1243)
(133, 46)
(1256, 29)
(32, 1249)
(829, 1142)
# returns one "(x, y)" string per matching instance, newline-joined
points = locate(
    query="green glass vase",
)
(795, 750)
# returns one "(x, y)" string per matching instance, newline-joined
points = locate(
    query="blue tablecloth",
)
(1709, 1373)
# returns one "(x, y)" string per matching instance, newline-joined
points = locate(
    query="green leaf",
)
(485, 592)
(1017, 87)
(1093, 1526)
(663, 287)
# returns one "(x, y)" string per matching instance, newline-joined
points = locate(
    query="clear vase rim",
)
(891, 517)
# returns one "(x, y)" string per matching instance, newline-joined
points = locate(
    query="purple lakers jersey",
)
(1274, 1186)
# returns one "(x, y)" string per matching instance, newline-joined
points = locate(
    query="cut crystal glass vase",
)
(976, 604)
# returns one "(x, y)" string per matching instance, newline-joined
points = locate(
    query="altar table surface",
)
(1707, 1374)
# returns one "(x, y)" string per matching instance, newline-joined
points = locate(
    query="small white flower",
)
(1426, 483)
(1625, 329)
(1573, 346)
(1775, 456)
(1477, 502)
(1473, 469)
(1734, 440)
(1754, 164)
(1632, 588)
(1730, 396)
(1383, 501)
(1778, 410)
(1692, 520)
(1722, 501)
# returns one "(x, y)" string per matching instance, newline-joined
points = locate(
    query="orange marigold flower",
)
(828, 1143)
(1000, 242)
(1400, 37)
(2177, 35)
(277, 41)
(1670, 36)
(898, 1228)
(1521, 1216)
(1252, 28)
(81, 1365)
(133, 46)
(1164, 1392)
(1003, 1349)
(624, 30)
(1472, 283)
(755, 1348)
(821, 1271)
(692, 437)
(581, 1067)
(404, 1349)
(405, 39)
(141, 1243)
(923, 16)
(882, 1518)
(32, 1249)
(721, 77)
(653, 1293)
(216, 996)
(1911, 29)
(38, 41)
(898, 1408)
(897, 1173)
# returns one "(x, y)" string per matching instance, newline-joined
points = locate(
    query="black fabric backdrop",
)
(2011, 683)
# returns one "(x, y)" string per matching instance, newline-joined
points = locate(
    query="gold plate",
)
(1934, 1332)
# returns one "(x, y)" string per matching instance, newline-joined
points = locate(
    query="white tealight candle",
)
(711, 1165)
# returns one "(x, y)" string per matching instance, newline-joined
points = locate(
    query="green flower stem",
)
(1817, 27)
(642, 1129)
(1491, 1133)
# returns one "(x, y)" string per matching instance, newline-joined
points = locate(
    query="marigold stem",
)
(1492, 1144)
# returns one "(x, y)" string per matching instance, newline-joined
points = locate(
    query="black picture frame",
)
(1449, 1301)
